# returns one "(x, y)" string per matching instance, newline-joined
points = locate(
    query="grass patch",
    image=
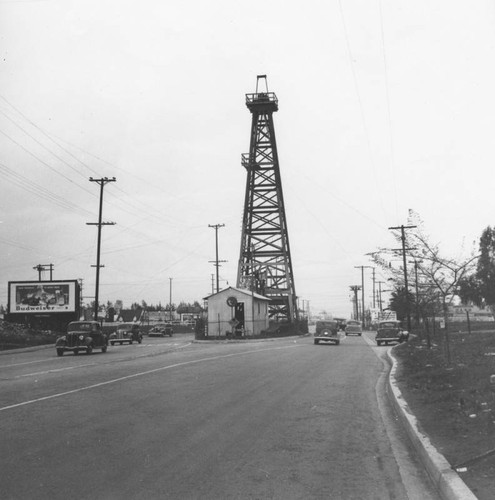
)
(454, 402)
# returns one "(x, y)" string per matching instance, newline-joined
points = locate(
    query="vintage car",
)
(160, 330)
(390, 331)
(126, 332)
(353, 327)
(327, 331)
(82, 336)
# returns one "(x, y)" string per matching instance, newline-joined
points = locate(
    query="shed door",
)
(239, 315)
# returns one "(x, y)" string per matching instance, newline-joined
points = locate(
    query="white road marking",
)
(135, 375)
(73, 367)
(54, 370)
(25, 363)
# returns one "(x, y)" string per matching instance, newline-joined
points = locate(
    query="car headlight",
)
(81, 337)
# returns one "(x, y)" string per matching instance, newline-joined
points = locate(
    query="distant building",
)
(130, 315)
(189, 313)
(238, 311)
(459, 313)
(157, 316)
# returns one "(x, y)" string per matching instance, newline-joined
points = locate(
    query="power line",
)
(126, 204)
(33, 188)
(389, 116)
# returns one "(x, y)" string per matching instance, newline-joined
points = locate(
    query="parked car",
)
(390, 331)
(160, 330)
(353, 327)
(126, 332)
(82, 336)
(327, 331)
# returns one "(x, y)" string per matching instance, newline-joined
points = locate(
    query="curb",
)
(27, 349)
(445, 479)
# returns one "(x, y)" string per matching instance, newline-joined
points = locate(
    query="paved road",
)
(281, 419)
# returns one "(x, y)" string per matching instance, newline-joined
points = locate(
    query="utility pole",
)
(216, 261)
(170, 299)
(41, 268)
(380, 302)
(362, 290)
(101, 182)
(415, 262)
(355, 289)
(403, 239)
(212, 283)
(374, 305)
(80, 295)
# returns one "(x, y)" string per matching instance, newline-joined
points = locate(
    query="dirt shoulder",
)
(447, 386)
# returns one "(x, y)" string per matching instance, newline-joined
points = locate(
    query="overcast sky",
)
(384, 106)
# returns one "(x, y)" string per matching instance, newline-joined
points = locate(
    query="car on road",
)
(390, 331)
(82, 336)
(353, 327)
(160, 330)
(126, 332)
(327, 331)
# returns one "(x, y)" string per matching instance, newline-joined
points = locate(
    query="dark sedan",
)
(82, 336)
(353, 328)
(390, 331)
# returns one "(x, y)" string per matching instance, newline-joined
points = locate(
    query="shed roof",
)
(240, 290)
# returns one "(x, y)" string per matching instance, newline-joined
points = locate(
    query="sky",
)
(384, 106)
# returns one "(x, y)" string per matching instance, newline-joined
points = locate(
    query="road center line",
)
(135, 375)
(25, 363)
(55, 370)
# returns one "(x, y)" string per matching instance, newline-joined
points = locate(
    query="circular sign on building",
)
(232, 301)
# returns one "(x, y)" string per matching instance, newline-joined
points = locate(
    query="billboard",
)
(27, 297)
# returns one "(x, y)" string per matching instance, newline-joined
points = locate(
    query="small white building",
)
(237, 310)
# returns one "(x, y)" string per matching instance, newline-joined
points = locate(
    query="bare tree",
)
(437, 276)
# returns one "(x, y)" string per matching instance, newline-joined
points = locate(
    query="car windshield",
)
(77, 327)
(325, 324)
(354, 323)
(126, 328)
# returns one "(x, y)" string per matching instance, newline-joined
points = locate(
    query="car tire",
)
(89, 349)
(60, 352)
(112, 343)
(317, 342)
(130, 342)
(104, 348)
(76, 352)
(122, 343)
(140, 340)
(378, 342)
(338, 342)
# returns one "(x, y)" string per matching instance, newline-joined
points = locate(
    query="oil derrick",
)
(265, 264)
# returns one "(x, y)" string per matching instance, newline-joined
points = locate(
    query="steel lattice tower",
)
(265, 263)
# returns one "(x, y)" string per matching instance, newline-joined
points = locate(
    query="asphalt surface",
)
(171, 418)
